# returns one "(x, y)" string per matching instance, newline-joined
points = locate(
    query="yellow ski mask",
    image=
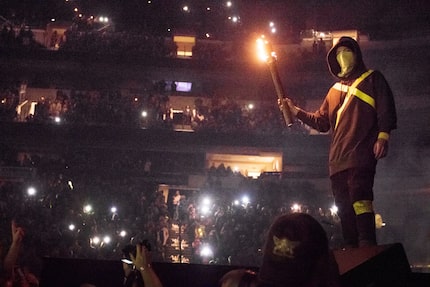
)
(346, 59)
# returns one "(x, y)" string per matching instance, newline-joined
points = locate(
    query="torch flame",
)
(264, 53)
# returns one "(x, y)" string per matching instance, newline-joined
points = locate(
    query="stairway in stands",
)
(174, 250)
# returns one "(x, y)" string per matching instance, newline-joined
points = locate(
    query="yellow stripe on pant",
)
(363, 206)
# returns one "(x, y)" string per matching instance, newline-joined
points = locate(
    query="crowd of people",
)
(151, 110)
(140, 45)
(135, 45)
(74, 212)
(11, 37)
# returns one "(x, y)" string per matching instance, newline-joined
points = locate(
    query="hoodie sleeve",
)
(318, 120)
(385, 105)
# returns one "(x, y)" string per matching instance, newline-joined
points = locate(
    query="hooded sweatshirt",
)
(369, 111)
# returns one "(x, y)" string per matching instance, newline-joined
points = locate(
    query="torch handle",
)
(280, 92)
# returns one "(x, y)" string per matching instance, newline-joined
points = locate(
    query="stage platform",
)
(380, 266)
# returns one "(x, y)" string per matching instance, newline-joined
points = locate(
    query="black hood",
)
(333, 65)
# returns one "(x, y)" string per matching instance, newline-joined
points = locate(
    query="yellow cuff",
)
(363, 206)
(383, 135)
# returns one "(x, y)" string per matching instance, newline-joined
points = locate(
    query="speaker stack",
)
(383, 265)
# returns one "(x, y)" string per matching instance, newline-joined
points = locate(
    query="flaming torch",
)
(267, 55)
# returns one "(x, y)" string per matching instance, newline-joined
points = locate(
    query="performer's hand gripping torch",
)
(268, 56)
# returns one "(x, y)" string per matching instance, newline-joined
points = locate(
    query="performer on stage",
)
(360, 113)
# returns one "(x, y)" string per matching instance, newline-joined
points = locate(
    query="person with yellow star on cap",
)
(296, 253)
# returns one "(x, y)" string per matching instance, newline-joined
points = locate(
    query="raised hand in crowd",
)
(14, 249)
(142, 262)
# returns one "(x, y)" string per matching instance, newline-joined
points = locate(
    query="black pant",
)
(351, 186)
